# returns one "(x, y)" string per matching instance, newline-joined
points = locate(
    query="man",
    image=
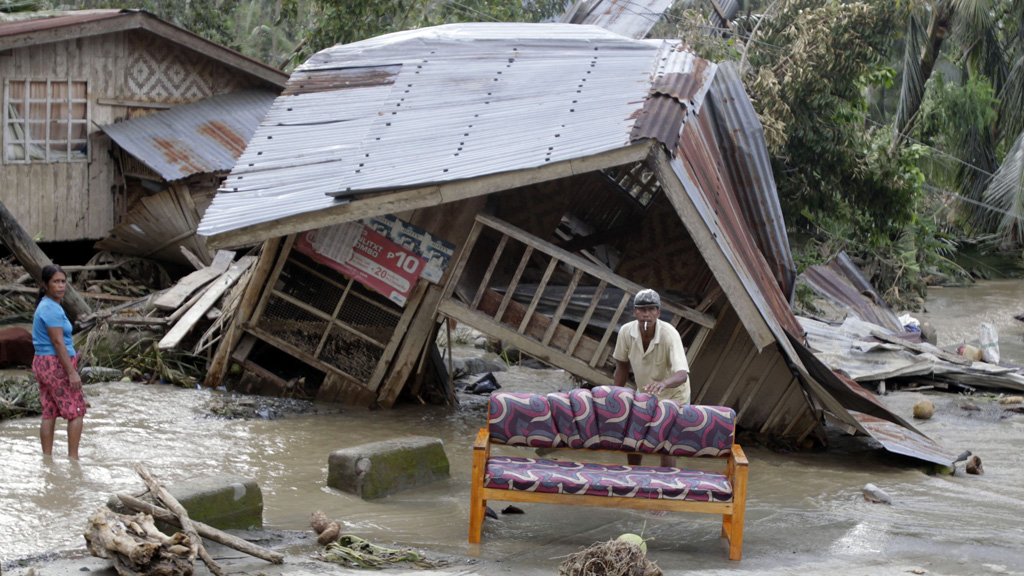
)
(654, 351)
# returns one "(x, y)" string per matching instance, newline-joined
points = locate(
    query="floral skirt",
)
(55, 391)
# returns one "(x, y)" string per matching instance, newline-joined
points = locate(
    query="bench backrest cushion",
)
(610, 418)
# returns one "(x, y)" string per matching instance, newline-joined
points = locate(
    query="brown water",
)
(957, 314)
(805, 514)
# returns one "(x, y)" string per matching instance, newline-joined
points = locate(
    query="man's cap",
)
(646, 297)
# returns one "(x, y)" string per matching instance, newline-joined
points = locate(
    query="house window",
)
(45, 121)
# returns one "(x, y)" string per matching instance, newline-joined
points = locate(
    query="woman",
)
(55, 364)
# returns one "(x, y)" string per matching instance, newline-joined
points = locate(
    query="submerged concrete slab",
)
(378, 469)
(224, 501)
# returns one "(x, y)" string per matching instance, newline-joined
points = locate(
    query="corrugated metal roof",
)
(749, 168)
(202, 137)
(630, 18)
(437, 105)
(723, 11)
(842, 282)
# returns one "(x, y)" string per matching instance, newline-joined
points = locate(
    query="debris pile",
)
(137, 547)
(611, 558)
(19, 397)
(354, 552)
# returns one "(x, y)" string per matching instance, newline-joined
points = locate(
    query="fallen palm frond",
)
(19, 397)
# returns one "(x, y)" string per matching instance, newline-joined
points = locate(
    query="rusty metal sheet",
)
(905, 441)
(842, 282)
(630, 18)
(202, 137)
(353, 78)
(698, 167)
(749, 169)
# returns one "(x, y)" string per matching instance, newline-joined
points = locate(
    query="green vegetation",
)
(19, 397)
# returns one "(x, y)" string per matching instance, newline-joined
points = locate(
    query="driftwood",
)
(204, 530)
(195, 543)
(135, 545)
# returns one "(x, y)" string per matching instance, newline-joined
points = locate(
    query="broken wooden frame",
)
(536, 334)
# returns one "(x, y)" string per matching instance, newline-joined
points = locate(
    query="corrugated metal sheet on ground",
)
(749, 168)
(851, 348)
(202, 137)
(900, 440)
(630, 18)
(842, 282)
(468, 100)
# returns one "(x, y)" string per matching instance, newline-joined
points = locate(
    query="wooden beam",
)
(33, 259)
(707, 244)
(417, 338)
(571, 350)
(556, 318)
(173, 298)
(210, 297)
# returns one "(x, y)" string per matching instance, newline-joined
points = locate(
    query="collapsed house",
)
(67, 73)
(544, 173)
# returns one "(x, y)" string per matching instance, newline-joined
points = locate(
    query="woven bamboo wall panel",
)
(158, 71)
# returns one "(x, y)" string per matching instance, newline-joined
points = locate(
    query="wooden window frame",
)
(46, 144)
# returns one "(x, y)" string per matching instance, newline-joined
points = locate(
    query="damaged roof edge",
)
(350, 209)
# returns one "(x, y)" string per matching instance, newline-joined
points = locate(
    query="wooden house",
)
(569, 167)
(67, 74)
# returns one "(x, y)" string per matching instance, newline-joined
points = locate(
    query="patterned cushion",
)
(610, 418)
(535, 475)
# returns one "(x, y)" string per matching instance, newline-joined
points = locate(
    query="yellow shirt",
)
(663, 358)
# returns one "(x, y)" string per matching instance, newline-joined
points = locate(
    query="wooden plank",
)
(513, 284)
(610, 329)
(556, 319)
(245, 346)
(411, 305)
(485, 282)
(334, 315)
(173, 298)
(779, 410)
(192, 258)
(282, 258)
(537, 293)
(598, 272)
(417, 339)
(722, 359)
(485, 323)
(537, 326)
(920, 349)
(210, 297)
(617, 502)
(581, 329)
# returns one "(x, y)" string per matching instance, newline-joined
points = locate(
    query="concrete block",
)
(224, 501)
(378, 469)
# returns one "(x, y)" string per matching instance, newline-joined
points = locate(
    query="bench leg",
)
(477, 513)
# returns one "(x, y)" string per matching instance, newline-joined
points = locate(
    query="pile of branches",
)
(19, 397)
(137, 547)
(611, 558)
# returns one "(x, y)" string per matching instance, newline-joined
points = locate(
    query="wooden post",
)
(34, 260)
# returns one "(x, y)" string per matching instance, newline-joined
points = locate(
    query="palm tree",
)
(985, 39)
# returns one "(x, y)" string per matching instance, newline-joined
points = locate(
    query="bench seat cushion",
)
(537, 475)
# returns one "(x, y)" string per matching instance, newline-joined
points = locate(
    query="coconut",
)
(634, 539)
(924, 410)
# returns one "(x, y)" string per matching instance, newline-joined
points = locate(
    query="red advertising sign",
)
(375, 262)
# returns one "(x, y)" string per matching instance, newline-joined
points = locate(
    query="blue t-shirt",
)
(49, 314)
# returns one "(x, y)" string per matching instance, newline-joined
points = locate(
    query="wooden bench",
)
(610, 419)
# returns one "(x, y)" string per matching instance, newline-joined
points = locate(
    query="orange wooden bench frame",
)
(732, 512)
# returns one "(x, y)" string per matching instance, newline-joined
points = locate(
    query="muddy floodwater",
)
(957, 314)
(805, 513)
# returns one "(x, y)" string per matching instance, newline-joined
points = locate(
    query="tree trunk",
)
(34, 260)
